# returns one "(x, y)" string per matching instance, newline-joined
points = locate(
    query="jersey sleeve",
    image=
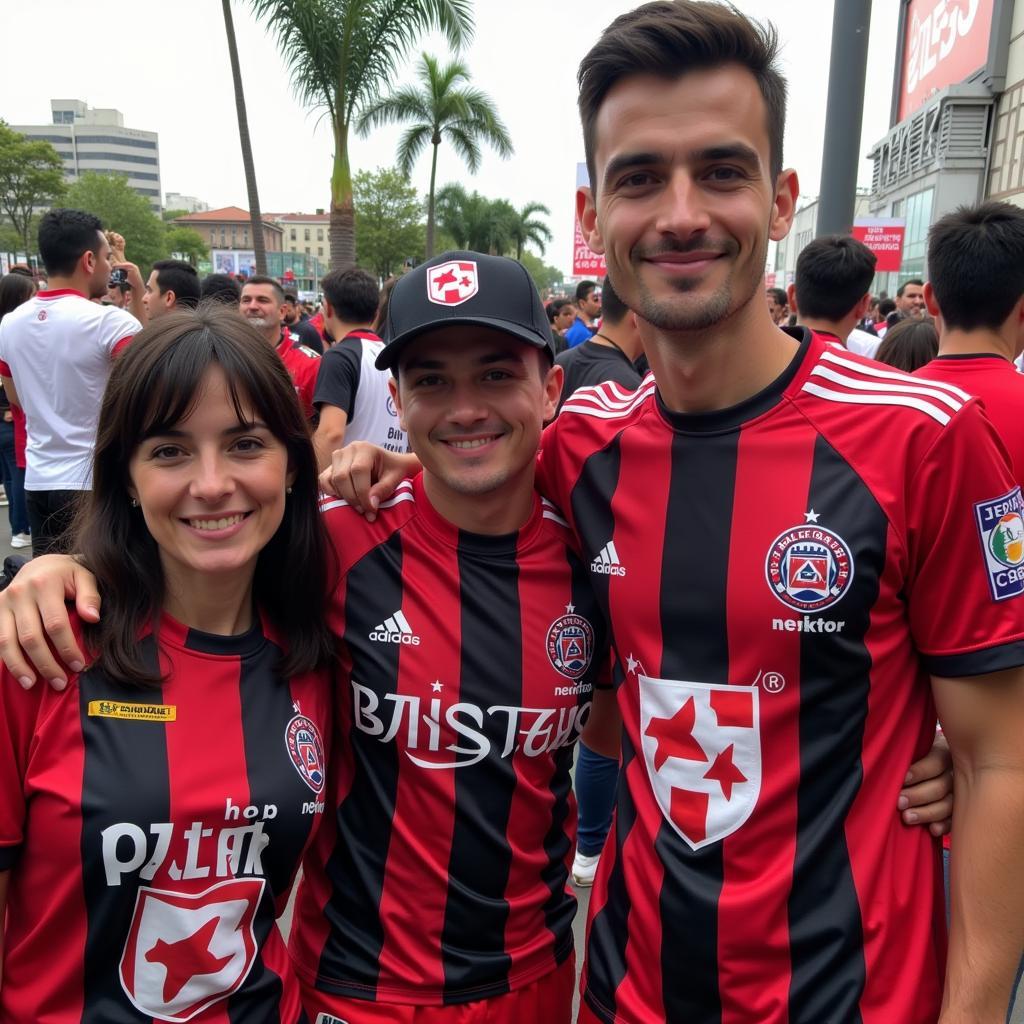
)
(20, 711)
(965, 537)
(338, 380)
(117, 328)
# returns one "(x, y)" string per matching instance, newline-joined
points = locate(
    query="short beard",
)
(259, 322)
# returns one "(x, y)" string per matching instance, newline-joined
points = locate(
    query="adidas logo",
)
(395, 629)
(607, 561)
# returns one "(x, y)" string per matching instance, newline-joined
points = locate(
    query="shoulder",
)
(607, 407)
(304, 350)
(350, 533)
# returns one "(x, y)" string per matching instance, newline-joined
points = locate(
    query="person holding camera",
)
(55, 355)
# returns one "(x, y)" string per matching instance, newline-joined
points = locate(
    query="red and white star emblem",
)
(452, 283)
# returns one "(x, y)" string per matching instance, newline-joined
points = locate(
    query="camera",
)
(119, 276)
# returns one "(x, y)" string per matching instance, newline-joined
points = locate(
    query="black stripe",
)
(473, 934)
(110, 746)
(357, 866)
(825, 929)
(266, 711)
(695, 646)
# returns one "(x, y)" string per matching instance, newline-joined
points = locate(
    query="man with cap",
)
(473, 653)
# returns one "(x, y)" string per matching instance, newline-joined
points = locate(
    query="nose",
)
(212, 480)
(683, 209)
(467, 405)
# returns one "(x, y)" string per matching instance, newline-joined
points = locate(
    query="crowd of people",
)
(353, 592)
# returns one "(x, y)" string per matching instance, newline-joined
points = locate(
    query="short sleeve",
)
(116, 328)
(19, 710)
(965, 536)
(338, 379)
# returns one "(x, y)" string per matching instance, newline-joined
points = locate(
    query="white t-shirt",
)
(57, 348)
(862, 343)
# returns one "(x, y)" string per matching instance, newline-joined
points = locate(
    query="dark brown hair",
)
(909, 345)
(153, 386)
(14, 290)
(669, 38)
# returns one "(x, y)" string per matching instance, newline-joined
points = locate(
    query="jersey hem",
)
(421, 996)
(976, 663)
(606, 1015)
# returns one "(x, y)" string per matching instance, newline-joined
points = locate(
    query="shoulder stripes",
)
(551, 511)
(837, 378)
(609, 400)
(403, 492)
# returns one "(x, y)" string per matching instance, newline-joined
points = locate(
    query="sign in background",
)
(585, 263)
(884, 237)
(945, 42)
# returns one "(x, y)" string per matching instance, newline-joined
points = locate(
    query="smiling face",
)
(473, 401)
(211, 490)
(262, 307)
(683, 202)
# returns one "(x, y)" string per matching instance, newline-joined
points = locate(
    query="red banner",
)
(884, 237)
(945, 42)
(585, 262)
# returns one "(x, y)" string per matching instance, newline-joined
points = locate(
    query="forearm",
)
(325, 442)
(987, 890)
(137, 309)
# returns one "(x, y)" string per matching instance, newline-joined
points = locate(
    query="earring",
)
(135, 503)
(288, 490)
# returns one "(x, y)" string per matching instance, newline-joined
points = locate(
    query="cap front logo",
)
(450, 284)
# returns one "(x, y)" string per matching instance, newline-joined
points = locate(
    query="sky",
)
(165, 67)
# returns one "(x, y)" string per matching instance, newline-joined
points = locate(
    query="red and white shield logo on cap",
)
(450, 284)
(186, 952)
(702, 748)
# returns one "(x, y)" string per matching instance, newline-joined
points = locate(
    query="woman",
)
(15, 288)
(153, 814)
(909, 345)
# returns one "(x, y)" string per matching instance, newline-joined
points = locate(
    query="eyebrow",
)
(239, 428)
(729, 151)
(509, 355)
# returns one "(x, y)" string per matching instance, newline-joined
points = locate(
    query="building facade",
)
(190, 204)
(306, 233)
(89, 139)
(802, 232)
(230, 227)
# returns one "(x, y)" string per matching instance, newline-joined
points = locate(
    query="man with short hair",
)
(171, 283)
(221, 288)
(910, 299)
(588, 309)
(55, 354)
(352, 395)
(262, 304)
(829, 293)
(778, 305)
(297, 322)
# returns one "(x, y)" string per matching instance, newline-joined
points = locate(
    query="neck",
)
(504, 510)
(840, 328)
(955, 342)
(56, 283)
(273, 334)
(703, 371)
(628, 341)
(339, 328)
(211, 603)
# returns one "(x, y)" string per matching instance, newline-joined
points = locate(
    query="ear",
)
(87, 261)
(863, 306)
(787, 191)
(328, 309)
(929, 300)
(791, 298)
(586, 213)
(552, 390)
(396, 397)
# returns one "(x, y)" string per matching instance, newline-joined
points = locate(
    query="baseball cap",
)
(464, 288)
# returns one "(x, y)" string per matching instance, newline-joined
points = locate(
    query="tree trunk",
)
(342, 231)
(243, 136)
(430, 199)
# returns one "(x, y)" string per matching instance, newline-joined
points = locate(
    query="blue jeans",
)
(596, 782)
(13, 477)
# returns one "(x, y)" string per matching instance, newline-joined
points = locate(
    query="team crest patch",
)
(702, 748)
(570, 643)
(306, 750)
(809, 568)
(187, 951)
(452, 283)
(1001, 528)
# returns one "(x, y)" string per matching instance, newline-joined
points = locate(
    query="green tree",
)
(122, 209)
(440, 107)
(186, 241)
(474, 221)
(248, 165)
(31, 175)
(340, 53)
(389, 220)
(544, 276)
(169, 215)
(526, 229)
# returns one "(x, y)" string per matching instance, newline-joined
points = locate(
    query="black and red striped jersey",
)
(472, 662)
(152, 835)
(780, 578)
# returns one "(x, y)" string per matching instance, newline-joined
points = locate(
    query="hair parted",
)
(64, 235)
(976, 264)
(832, 275)
(353, 294)
(671, 37)
(181, 278)
(263, 279)
(909, 345)
(153, 385)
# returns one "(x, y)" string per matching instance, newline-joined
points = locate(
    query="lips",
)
(220, 523)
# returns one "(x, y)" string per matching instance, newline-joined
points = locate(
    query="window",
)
(245, 238)
(121, 158)
(319, 234)
(915, 241)
(117, 140)
(293, 233)
(320, 250)
(307, 236)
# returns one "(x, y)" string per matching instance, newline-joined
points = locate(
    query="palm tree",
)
(340, 53)
(259, 249)
(525, 230)
(439, 107)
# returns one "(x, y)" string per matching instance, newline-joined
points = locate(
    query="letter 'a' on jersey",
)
(153, 835)
(795, 567)
(442, 878)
